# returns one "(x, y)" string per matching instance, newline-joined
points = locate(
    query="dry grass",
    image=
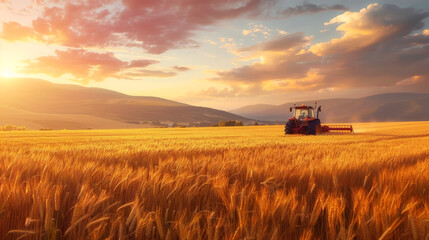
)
(216, 183)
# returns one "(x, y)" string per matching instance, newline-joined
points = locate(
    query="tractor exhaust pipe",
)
(317, 109)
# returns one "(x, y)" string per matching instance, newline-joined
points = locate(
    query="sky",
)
(223, 54)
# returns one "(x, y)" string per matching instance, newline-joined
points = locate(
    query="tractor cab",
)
(304, 114)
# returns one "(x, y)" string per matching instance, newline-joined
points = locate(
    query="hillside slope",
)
(27, 101)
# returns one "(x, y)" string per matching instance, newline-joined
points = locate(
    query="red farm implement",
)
(337, 128)
(305, 121)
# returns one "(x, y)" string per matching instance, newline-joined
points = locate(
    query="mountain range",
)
(36, 104)
(377, 108)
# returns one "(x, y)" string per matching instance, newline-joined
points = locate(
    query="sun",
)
(7, 73)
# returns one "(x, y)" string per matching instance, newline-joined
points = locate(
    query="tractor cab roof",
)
(303, 107)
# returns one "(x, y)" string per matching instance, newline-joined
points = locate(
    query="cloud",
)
(377, 50)
(140, 73)
(141, 63)
(410, 81)
(13, 31)
(85, 66)
(236, 91)
(212, 42)
(246, 32)
(218, 93)
(279, 58)
(371, 25)
(255, 29)
(309, 8)
(6, 4)
(228, 43)
(278, 43)
(156, 26)
(181, 69)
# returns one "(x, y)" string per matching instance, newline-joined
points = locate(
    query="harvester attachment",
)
(337, 128)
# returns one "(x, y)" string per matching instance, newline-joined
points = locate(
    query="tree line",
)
(230, 123)
(12, 128)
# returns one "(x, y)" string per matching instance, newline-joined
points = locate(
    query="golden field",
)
(216, 183)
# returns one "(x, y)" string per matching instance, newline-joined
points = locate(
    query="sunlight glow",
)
(7, 73)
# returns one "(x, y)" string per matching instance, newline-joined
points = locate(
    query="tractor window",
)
(301, 114)
(310, 113)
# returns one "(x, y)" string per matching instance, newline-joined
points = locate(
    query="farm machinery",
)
(305, 121)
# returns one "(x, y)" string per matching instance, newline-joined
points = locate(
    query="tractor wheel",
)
(288, 128)
(314, 128)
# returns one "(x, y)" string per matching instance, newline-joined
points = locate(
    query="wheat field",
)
(216, 183)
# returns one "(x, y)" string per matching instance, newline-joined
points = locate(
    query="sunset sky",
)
(220, 53)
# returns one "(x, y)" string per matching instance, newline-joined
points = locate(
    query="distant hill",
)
(36, 103)
(377, 108)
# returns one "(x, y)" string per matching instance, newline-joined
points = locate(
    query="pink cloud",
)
(13, 31)
(181, 69)
(87, 66)
(141, 63)
(156, 26)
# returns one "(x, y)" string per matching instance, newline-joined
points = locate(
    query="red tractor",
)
(306, 121)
